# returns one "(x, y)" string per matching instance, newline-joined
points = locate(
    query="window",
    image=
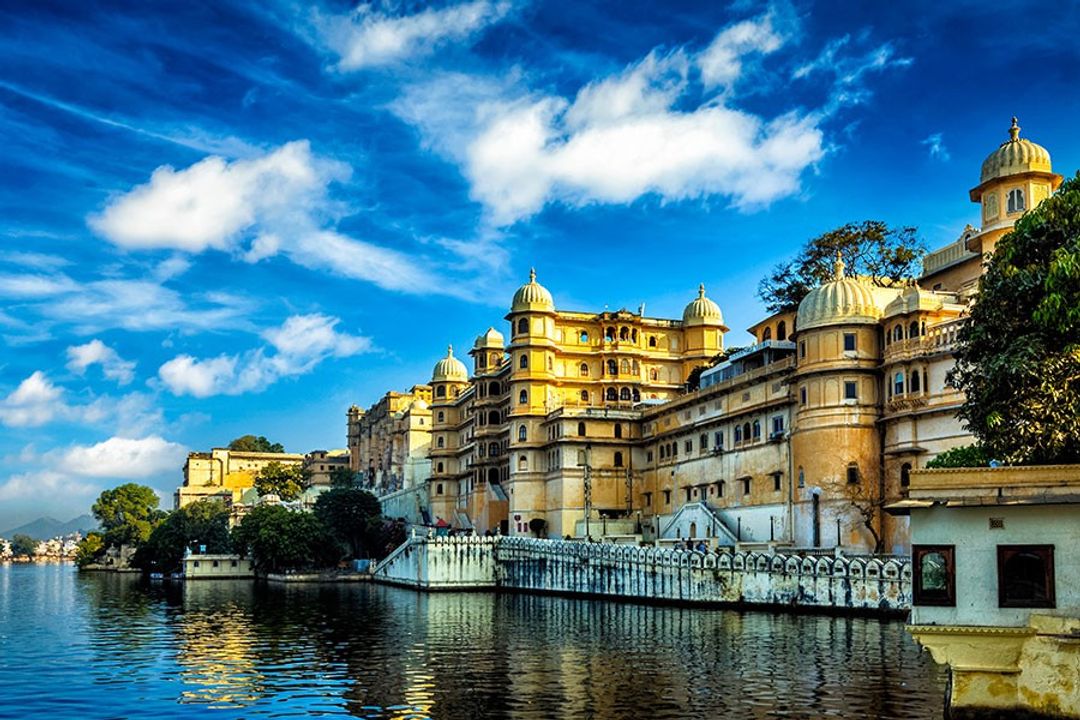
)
(898, 333)
(720, 488)
(648, 499)
(441, 442)
(689, 446)
(624, 394)
(493, 449)
(438, 489)
(703, 442)
(913, 329)
(609, 334)
(612, 394)
(581, 429)
(767, 334)
(802, 349)
(493, 388)
(802, 395)
(440, 391)
(523, 433)
(781, 330)
(648, 456)
(585, 396)
(850, 390)
(777, 424)
(802, 477)
(624, 367)
(652, 341)
(612, 367)
(1016, 200)
(637, 395)
(584, 370)
(618, 430)
(738, 434)
(493, 417)
(583, 337)
(776, 481)
(442, 416)
(667, 497)
(654, 374)
(898, 383)
(618, 459)
(849, 342)
(934, 575)
(523, 463)
(757, 430)
(746, 485)
(1026, 576)
(852, 474)
(718, 440)
(915, 381)
(746, 432)
(905, 475)
(439, 468)
(674, 448)
(523, 362)
(624, 333)
(523, 397)
(523, 326)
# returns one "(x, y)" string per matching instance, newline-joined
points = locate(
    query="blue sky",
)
(222, 218)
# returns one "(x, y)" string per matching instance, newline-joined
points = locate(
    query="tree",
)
(342, 477)
(23, 545)
(127, 514)
(250, 443)
(1018, 356)
(285, 481)
(203, 523)
(870, 249)
(279, 539)
(958, 457)
(353, 516)
(89, 550)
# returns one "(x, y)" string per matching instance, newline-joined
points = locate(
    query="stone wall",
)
(880, 585)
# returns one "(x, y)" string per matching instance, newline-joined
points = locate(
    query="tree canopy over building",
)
(250, 443)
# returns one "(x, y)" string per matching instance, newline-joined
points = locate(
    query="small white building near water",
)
(217, 567)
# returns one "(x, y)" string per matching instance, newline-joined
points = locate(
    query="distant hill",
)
(47, 527)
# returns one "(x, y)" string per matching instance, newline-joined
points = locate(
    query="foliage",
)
(1018, 360)
(353, 517)
(342, 477)
(390, 535)
(201, 523)
(960, 457)
(250, 443)
(285, 481)
(127, 514)
(23, 545)
(90, 549)
(870, 249)
(280, 539)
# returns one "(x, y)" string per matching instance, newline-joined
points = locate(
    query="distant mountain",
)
(47, 527)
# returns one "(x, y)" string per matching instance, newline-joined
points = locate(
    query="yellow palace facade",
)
(579, 423)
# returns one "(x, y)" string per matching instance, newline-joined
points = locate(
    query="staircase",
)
(705, 512)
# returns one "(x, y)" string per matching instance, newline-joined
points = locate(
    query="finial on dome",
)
(701, 290)
(449, 351)
(532, 275)
(838, 267)
(1014, 131)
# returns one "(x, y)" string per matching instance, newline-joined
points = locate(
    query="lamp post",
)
(588, 491)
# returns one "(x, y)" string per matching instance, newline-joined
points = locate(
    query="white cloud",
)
(298, 345)
(96, 352)
(42, 486)
(936, 147)
(123, 458)
(279, 201)
(34, 402)
(721, 63)
(370, 38)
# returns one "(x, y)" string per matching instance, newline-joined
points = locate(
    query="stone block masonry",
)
(867, 584)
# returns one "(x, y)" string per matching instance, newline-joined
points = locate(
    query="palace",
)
(580, 424)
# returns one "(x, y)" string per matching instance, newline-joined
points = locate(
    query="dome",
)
(532, 297)
(702, 311)
(491, 339)
(418, 405)
(1015, 155)
(450, 369)
(841, 301)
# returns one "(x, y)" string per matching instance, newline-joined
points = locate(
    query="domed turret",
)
(532, 297)
(450, 369)
(1015, 155)
(841, 301)
(702, 311)
(418, 405)
(491, 339)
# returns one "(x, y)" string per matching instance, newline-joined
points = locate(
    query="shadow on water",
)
(114, 646)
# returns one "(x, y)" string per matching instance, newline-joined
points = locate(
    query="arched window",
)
(624, 394)
(916, 382)
(523, 361)
(523, 326)
(493, 417)
(612, 394)
(585, 396)
(442, 416)
(583, 337)
(738, 434)
(757, 429)
(439, 467)
(493, 449)
(441, 442)
(523, 397)
(624, 367)
(674, 449)
(493, 475)
(654, 374)
(618, 459)
(612, 367)
(637, 395)
(746, 431)
(1016, 200)
(481, 360)
(905, 474)
(494, 360)
(624, 333)
(898, 383)
(523, 462)
(802, 477)
(438, 486)
(781, 330)
(493, 388)
(767, 334)
(457, 392)
(584, 369)
(609, 334)
(853, 474)
(440, 391)
(522, 433)
(898, 333)
(703, 442)
(581, 429)
(633, 335)
(618, 430)
(913, 329)
(652, 341)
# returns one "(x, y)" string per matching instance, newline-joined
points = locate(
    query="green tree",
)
(90, 549)
(250, 443)
(1018, 356)
(279, 539)
(341, 477)
(127, 514)
(958, 457)
(353, 516)
(285, 481)
(23, 545)
(870, 249)
(203, 523)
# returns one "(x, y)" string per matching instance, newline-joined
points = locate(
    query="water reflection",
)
(253, 651)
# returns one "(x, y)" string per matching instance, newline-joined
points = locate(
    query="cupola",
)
(841, 301)
(450, 369)
(702, 311)
(532, 297)
(492, 339)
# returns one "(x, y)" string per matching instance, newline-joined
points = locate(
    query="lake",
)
(107, 646)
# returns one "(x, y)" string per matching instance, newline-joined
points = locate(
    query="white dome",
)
(841, 301)
(418, 405)
(702, 311)
(1015, 155)
(450, 369)
(532, 297)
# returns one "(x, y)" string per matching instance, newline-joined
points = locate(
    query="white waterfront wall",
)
(555, 566)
